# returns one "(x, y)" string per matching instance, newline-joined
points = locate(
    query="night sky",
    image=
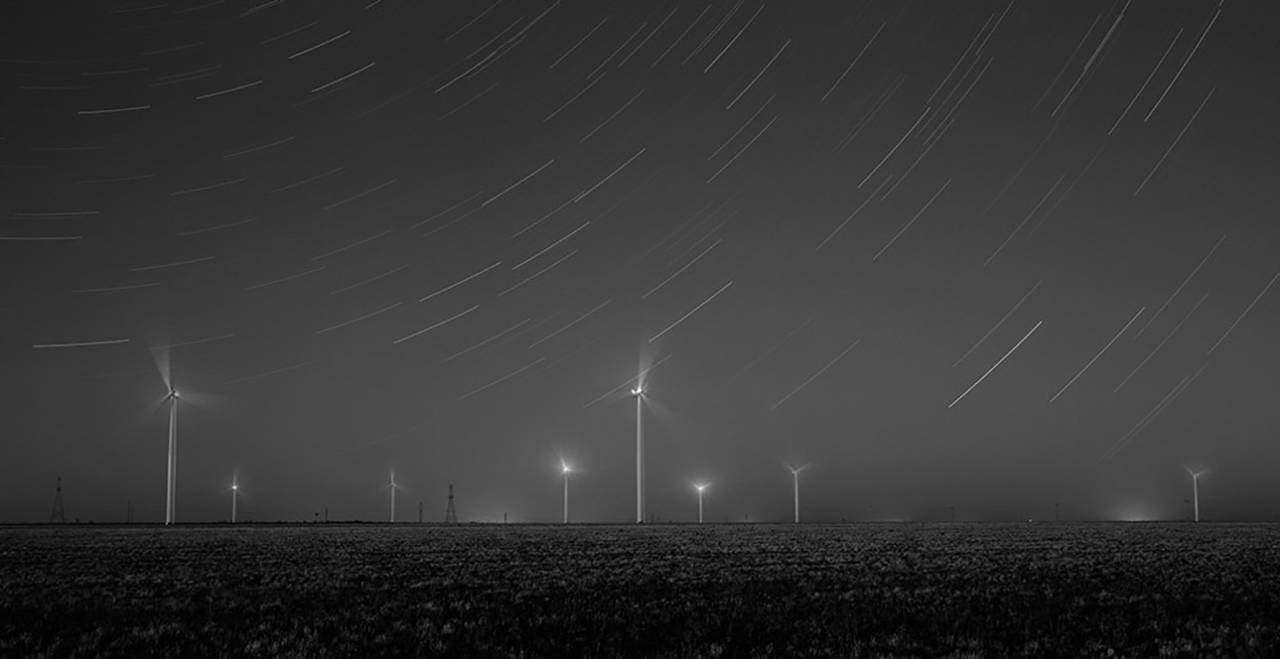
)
(443, 238)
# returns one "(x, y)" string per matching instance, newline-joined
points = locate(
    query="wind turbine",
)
(565, 471)
(170, 481)
(161, 355)
(1195, 489)
(638, 394)
(700, 487)
(392, 518)
(235, 494)
(795, 487)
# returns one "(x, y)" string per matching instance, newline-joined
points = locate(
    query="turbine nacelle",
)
(701, 487)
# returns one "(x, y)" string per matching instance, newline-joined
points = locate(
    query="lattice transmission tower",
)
(450, 515)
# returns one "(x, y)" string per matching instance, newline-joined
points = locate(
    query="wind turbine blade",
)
(203, 401)
(645, 363)
(147, 416)
(627, 384)
(158, 345)
(161, 357)
(661, 413)
(160, 354)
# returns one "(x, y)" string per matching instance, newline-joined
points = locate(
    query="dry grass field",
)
(709, 591)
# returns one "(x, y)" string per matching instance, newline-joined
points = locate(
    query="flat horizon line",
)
(225, 524)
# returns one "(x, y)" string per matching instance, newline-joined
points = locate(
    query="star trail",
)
(421, 235)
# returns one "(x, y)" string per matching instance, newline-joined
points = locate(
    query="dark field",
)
(868, 590)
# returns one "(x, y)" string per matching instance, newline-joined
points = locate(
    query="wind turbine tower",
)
(795, 489)
(638, 393)
(392, 518)
(700, 487)
(1195, 491)
(565, 470)
(170, 483)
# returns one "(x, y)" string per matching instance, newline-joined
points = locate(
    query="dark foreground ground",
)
(849, 590)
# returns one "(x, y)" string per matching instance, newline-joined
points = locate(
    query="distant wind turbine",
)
(1195, 490)
(700, 487)
(235, 492)
(795, 483)
(172, 399)
(638, 394)
(392, 517)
